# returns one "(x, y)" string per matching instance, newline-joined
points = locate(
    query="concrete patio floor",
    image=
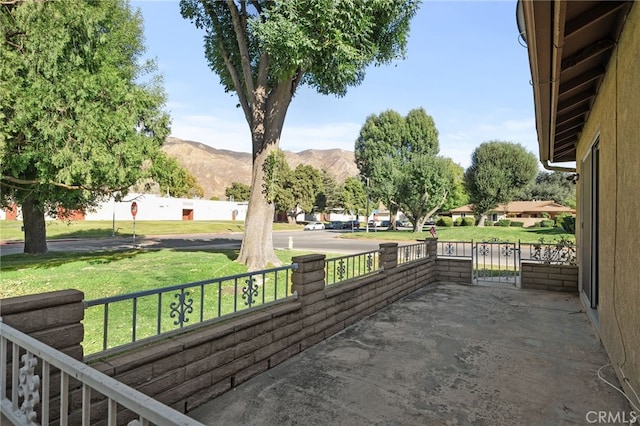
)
(444, 355)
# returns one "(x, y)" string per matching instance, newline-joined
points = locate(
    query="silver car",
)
(311, 226)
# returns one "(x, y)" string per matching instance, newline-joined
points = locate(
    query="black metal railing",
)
(411, 252)
(455, 249)
(562, 252)
(129, 318)
(343, 268)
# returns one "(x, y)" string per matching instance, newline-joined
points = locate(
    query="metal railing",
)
(562, 252)
(411, 252)
(132, 317)
(455, 249)
(25, 387)
(343, 268)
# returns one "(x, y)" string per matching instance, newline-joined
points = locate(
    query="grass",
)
(112, 273)
(468, 233)
(58, 229)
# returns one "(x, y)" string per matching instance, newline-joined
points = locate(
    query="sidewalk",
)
(446, 354)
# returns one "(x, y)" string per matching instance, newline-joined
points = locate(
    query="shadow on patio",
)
(445, 354)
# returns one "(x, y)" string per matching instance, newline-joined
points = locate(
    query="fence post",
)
(432, 247)
(308, 277)
(54, 318)
(388, 255)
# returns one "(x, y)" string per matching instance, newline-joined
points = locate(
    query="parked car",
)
(374, 224)
(334, 224)
(351, 224)
(312, 226)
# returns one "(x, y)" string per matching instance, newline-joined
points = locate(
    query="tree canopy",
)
(176, 180)
(238, 191)
(399, 156)
(353, 196)
(551, 186)
(498, 171)
(79, 111)
(264, 50)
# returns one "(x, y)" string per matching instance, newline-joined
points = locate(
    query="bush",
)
(444, 221)
(468, 221)
(537, 224)
(546, 215)
(547, 223)
(503, 222)
(569, 224)
(488, 223)
(457, 222)
(559, 219)
(516, 224)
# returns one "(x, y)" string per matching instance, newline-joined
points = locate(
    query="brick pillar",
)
(308, 277)
(388, 255)
(432, 247)
(54, 318)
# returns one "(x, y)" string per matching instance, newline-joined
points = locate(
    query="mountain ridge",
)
(215, 169)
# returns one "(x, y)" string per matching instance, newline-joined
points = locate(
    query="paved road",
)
(321, 241)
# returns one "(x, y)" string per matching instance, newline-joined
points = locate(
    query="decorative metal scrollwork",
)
(369, 262)
(418, 252)
(506, 250)
(29, 386)
(450, 249)
(341, 269)
(484, 250)
(406, 254)
(181, 308)
(250, 291)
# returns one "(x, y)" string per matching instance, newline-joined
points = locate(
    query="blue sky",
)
(464, 66)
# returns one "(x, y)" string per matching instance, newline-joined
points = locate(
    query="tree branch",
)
(58, 184)
(242, 98)
(243, 47)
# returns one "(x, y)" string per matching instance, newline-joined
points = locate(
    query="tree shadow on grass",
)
(548, 232)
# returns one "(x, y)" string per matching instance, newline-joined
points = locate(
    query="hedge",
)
(503, 222)
(547, 223)
(516, 224)
(468, 221)
(444, 221)
(457, 222)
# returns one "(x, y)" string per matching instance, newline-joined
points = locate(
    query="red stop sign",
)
(134, 209)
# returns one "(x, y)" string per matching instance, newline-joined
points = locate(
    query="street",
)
(325, 241)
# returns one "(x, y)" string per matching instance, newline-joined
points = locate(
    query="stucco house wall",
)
(615, 119)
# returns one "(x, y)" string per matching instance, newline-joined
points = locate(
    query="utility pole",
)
(367, 212)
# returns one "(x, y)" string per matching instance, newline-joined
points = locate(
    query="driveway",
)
(444, 355)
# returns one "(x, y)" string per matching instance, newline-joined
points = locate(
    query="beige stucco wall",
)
(616, 118)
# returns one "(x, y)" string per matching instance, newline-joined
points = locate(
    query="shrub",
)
(457, 222)
(516, 224)
(444, 221)
(547, 223)
(468, 221)
(537, 224)
(503, 222)
(488, 223)
(546, 215)
(569, 224)
(560, 218)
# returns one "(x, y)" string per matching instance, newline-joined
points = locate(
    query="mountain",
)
(215, 169)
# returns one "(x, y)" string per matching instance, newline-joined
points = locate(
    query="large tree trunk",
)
(257, 245)
(35, 231)
(267, 120)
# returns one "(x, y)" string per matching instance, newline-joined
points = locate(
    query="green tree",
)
(498, 171)
(551, 186)
(391, 151)
(306, 184)
(263, 51)
(79, 114)
(239, 191)
(329, 196)
(176, 180)
(458, 194)
(424, 187)
(353, 196)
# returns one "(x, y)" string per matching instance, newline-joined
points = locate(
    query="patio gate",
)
(496, 262)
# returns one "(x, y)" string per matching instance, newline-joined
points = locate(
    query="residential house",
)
(527, 212)
(585, 69)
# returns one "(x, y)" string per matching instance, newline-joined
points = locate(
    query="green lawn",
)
(468, 233)
(56, 229)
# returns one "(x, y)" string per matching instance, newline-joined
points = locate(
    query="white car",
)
(313, 226)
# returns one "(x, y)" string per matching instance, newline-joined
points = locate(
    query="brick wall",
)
(187, 370)
(458, 271)
(539, 276)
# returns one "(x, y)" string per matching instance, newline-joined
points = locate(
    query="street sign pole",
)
(134, 212)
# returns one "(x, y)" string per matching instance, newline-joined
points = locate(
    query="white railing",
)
(29, 393)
